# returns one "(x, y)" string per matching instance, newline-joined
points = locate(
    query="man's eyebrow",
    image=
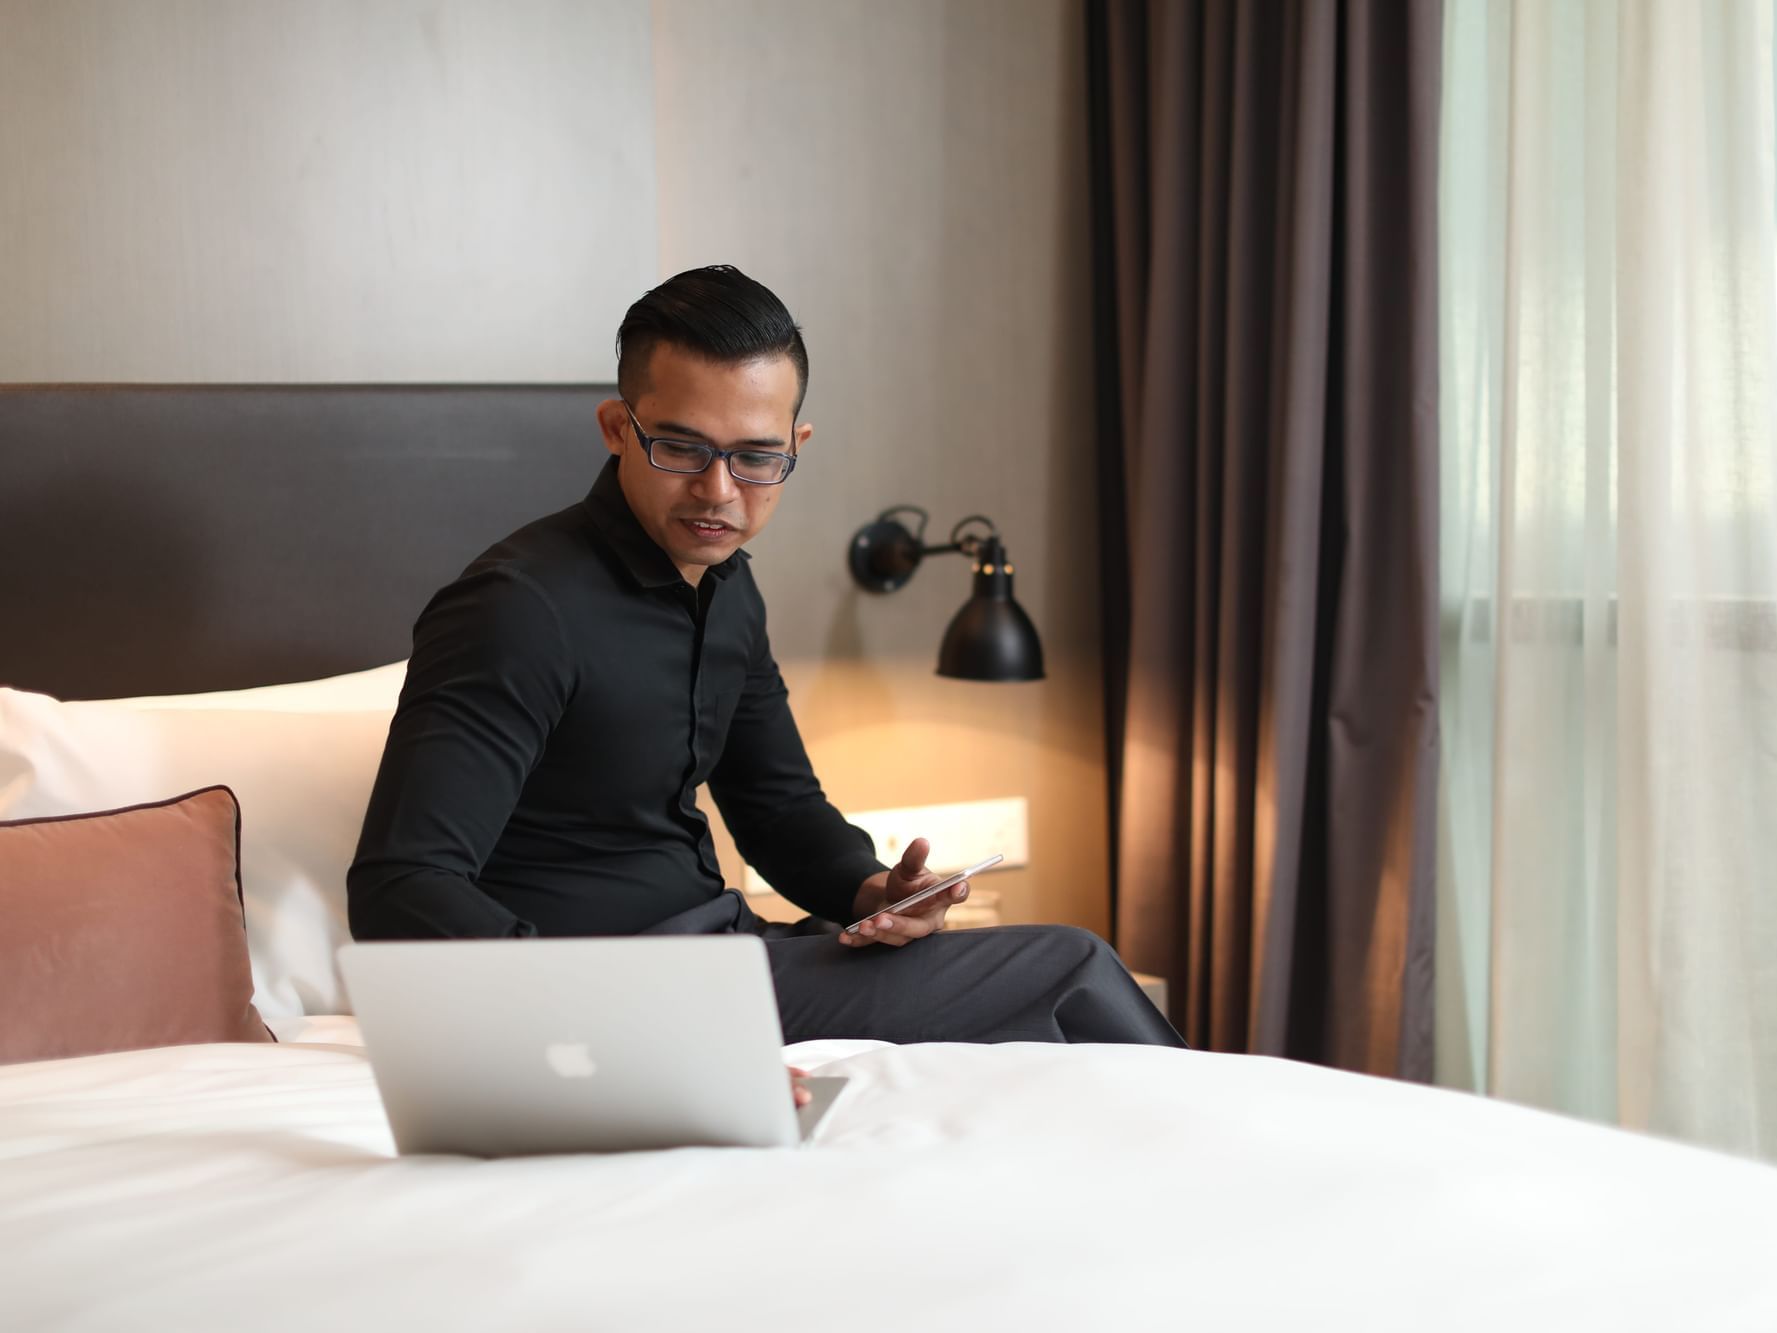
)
(680, 431)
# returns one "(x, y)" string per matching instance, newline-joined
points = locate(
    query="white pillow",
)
(377, 688)
(303, 780)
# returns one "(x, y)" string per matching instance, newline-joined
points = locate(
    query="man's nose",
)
(715, 484)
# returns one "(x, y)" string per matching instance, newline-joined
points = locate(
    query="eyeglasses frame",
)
(725, 455)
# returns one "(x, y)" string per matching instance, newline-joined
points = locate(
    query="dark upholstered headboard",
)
(166, 539)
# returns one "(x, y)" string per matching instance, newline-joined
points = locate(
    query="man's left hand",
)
(890, 886)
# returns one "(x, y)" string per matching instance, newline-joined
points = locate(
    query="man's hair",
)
(718, 313)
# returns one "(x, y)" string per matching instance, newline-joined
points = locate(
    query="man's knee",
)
(1074, 944)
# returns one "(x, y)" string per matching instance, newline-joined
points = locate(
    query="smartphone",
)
(949, 881)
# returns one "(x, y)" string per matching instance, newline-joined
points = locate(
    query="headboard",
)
(171, 538)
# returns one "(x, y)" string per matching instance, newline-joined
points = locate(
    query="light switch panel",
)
(960, 834)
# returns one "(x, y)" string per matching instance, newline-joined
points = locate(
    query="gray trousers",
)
(1003, 983)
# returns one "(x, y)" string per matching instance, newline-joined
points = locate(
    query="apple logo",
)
(570, 1059)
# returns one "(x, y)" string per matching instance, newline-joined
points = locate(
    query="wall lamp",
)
(991, 638)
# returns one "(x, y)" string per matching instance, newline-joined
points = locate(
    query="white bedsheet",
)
(954, 1187)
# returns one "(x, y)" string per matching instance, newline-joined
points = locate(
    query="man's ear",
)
(801, 434)
(613, 424)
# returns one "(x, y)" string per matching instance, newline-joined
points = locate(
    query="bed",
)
(253, 1185)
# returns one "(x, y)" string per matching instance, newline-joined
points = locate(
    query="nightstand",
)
(1153, 987)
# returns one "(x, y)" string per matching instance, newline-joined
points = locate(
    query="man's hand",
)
(799, 1092)
(890, 886)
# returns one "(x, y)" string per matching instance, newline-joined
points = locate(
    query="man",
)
(572, 689)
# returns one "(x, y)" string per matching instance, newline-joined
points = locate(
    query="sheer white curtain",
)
(1608, 840)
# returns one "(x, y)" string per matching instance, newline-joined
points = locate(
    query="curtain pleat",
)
(1270, 255)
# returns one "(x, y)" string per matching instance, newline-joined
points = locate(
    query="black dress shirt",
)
(565, 698)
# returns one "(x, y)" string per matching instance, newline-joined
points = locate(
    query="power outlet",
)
(960, 834)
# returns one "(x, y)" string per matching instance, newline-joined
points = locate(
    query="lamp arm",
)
(884, 554)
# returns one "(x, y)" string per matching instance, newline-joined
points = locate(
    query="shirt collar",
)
(614, 521)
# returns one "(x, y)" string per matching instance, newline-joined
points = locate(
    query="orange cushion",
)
(123, 929)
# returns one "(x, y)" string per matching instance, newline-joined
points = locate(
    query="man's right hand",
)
(885, 887)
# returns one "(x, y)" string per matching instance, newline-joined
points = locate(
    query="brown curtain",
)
(1265, 190)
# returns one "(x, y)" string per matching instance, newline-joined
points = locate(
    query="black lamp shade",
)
(991, 638)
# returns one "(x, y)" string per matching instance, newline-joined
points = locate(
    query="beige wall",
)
(331, 190)
(910, 178)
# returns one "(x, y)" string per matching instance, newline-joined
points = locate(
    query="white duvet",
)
(952, 1187)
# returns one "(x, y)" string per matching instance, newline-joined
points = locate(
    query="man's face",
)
(701, 518)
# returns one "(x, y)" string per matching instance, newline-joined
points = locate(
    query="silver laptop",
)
(498, 1048)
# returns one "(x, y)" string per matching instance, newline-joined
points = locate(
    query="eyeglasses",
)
(755, 467)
